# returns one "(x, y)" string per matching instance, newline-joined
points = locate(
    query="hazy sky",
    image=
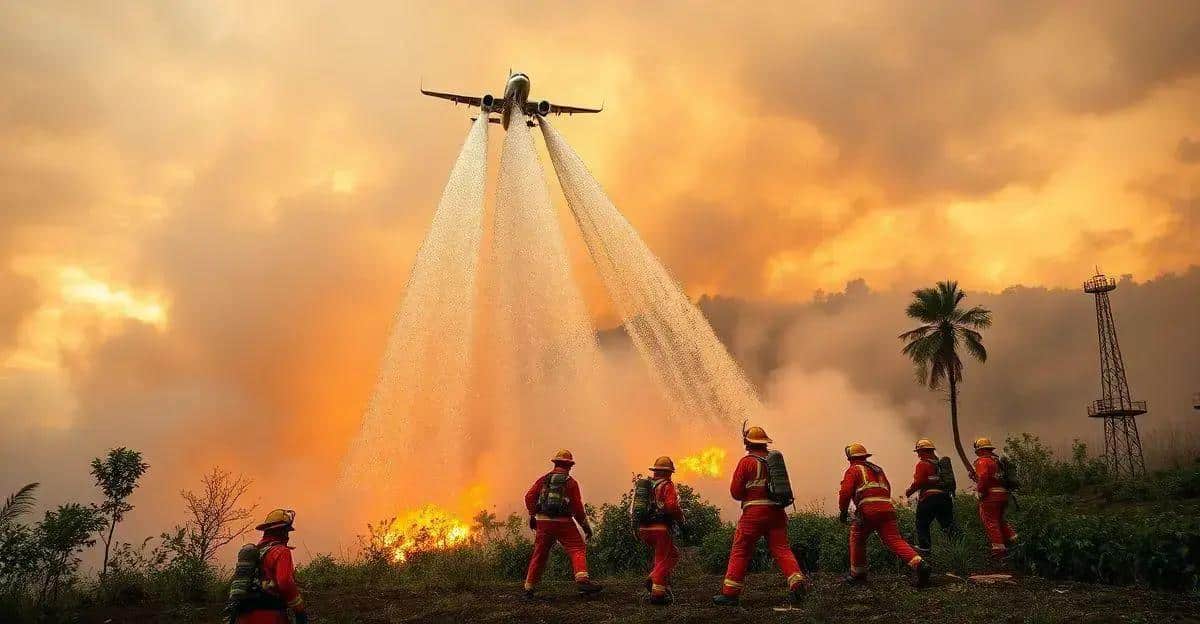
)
(208, 210)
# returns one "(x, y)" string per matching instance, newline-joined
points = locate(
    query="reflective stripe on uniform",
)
(528, 585)
(653, 527)
(298, 601)
(999, 547)
(933, 491)
(658, 588)
(541, 518)
(875, 499)
(795, 578)
(915, 561)
(581, 576)
(756, 483)
(732, 583)
(998, 489)
(758, 501)
(858, 569)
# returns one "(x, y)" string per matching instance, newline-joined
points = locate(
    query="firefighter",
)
(657, 532)
(867, 485)
(554, 506)
(760, 517)
(277, 574)
(934, 499)
(993, 499)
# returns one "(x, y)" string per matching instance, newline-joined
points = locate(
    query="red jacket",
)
(749, 482)
(986, 481)
(576, 503)
(864, 483)
(279, 574)
(668, 499)
(925, 477)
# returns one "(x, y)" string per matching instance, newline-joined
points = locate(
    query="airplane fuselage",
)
(516, 94)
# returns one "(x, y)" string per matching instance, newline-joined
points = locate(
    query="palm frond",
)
(977, 316)
(974, 343)
(919, 332)
(19, 504)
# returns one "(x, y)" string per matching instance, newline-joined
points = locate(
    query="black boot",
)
(797, 592)
(921, 574)
(855, 579)
(529, 594)
(662, 599)
(721, 600)
(588, 588)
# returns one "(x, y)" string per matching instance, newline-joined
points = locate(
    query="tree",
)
(62, 535)
(216, 517)
(933, 346)
(19, 551)
(117, 477)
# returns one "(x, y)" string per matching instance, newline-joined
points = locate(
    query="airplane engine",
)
(543, 108)
(488, 102)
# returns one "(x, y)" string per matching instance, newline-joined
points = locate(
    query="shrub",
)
(1040, 472)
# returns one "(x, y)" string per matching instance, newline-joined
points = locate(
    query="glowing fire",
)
(427, 528)
(706, 463)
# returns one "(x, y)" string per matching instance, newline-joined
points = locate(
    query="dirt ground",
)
(885, 599)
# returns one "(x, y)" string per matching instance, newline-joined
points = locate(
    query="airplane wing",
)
(531, 109)
(469, 100)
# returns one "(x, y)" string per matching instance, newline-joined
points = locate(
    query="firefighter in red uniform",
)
(556, 522)
(993, 499)
(867, 485)
(277, 573)
(934, 499)
(760, 517)
(657, 532)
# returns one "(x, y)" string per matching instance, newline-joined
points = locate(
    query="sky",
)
(208, 210)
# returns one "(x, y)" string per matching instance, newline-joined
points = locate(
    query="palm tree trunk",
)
(954, 425)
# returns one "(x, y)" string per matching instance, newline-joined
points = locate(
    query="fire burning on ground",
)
(706, 463)
(427, 528)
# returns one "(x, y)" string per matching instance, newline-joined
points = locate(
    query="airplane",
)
(516, 98)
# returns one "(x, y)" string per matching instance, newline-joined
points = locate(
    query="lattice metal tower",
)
(1122, 445)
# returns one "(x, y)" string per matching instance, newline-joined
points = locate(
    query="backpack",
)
(779, 487)
(553, 500)
(945, 472)
(644, 508)
(1006, 473)
(245, 590)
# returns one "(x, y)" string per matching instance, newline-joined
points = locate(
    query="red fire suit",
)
(867, 485)
(925, 477)
(561, 529)
(658, 535)
(278, 579)
(760, 517)
(993, 500)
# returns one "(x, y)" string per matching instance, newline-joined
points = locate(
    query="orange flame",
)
(424, 529)
(706, 463)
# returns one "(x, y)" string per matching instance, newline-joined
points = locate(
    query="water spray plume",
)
(689, 362)
(422, 530)
(706, 463)
(418, 401)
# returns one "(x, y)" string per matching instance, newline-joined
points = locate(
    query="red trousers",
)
(999, 532)
(666, 555)
(881, 519)
(758, 521)
(556, 530)
(263, 616)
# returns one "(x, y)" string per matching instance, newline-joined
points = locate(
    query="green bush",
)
(1040, 472)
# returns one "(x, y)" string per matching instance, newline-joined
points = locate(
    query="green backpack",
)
(553, 500)
(245, 590)
(945, 472)
(1007, 474)
(644, 508)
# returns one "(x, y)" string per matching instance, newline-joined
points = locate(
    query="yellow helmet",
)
(276, 519)
(924, 444)
(663, 463)
(563, 457)
(756, 435)
(984, 443)
(856, 450)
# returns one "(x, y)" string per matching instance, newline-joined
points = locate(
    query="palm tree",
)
(17, 505)
(933, 346)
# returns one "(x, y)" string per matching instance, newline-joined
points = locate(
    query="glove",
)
(301, 618)
(844, 517)
(532, 523)
(587, 532)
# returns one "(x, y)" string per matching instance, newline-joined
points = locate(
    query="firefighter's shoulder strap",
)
(871, 476)
(760, 472)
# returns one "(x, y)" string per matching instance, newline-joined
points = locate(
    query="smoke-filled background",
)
(208, 213)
